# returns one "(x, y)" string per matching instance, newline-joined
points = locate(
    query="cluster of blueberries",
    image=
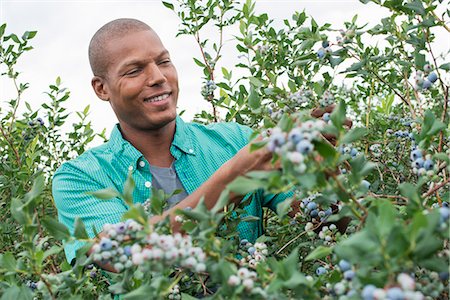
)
(421, 165)
(312, 210)
(327, 99)
(246, 278)
(122, 249)
(175, 293)
(297, 144)
(375, 149)
(253, 254)
(300, 97)
(348, 149)
(404, 290)
(38, 121)
(324, 50)
(329, 234)
(208, 88)
(423, 82)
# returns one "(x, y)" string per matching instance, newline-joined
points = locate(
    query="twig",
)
(11, 145)
(437, 187)
(389, 196)
(297, 237)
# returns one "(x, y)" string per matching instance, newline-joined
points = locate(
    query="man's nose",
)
(155, 76)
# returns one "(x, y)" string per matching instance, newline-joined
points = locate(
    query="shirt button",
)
(130, 168)
(142, 163)
(148, 184)
(191, 151)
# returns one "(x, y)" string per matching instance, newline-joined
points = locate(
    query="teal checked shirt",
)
(199, 150)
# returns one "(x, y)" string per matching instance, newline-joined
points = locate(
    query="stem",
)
(11, 145)
(437, 187)
(297, 237)
(19, 93)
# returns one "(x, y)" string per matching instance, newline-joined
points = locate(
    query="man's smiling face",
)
(141, 83)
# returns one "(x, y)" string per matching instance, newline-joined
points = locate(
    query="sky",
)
(66, 27)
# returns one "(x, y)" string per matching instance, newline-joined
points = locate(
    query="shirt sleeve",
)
(70, 187)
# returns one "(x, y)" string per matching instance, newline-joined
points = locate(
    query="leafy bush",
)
(368, 217)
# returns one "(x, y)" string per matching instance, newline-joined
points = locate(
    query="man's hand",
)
(318, 114)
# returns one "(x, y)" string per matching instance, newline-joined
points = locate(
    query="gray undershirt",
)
(167, 180)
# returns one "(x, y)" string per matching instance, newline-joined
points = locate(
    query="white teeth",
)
(157, 98)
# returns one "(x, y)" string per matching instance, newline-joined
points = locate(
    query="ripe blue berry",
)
(367, 292)
(325, 44)
(314, 213)
(304, 147)
(365, 184)
(311, 205)
(251, 250)
(321, 271)
(416, 154)
(428, 164)
(418, 163)
(445, 213)
(326, 117)
(105, 244)
(427, 84)
(344, 265)
(353, 152)
(349, 275)
(321, 53)
(432, 77)
(243, 242)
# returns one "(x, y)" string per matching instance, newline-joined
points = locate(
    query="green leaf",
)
(128, 190)
(445, 67)
(140, 293)
(105, 194)
(354, 135)
(56, 229)
(8, 262)
(168, 5)
(416, 6)
(80, 229)
(254, 101)
(319, 252)
(2, 30)
(15, 293)
(338, 115)
(199, 63)
(243, 185)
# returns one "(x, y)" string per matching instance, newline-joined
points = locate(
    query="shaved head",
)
(98, 52)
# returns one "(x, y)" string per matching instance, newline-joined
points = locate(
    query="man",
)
(133, 72)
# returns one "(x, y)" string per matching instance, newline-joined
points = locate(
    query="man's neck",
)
(153, 144)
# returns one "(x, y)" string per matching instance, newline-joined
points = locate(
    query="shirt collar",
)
(124, 149)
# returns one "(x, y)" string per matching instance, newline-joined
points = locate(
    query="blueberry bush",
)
(357, 117)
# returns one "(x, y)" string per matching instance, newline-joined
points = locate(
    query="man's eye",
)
(165, 61)
(133, 72)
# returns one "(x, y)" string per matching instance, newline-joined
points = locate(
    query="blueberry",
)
(314, 213)
(432, 77)
(427, 84)
(445, 213)
(321, 53)
(395, 293)
(428, 164)
(243, 242)
(251, 250)
(325, 44)
(328, 212)
(367, 292)
(353, 152)
(326, 117)
(416, 154)
(445, 204)
(365, 184)
(443, 276)
(349, 275)
(127, 250)
(344, 265)
(311, 205)
(295, 135)
(105, 244)
(31, 123)
(418, 163)
(304, 147)
(321, 271)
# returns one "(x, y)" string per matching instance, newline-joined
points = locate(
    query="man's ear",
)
(100, 88)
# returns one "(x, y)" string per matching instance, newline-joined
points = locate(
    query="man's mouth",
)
(157, 98)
